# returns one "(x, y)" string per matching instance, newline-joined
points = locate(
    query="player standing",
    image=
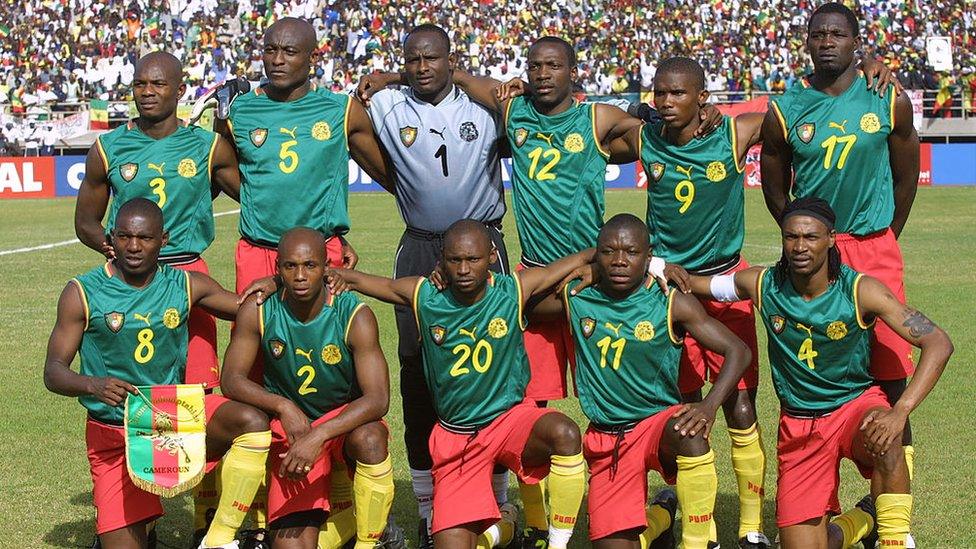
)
(858, 152)
(326, 384)
(129, 320)
(818, 315)
(444, 151)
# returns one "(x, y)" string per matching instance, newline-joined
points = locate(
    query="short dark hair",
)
(836, 7)
(627, 222)
(431, 28)
(555, 40)
(141, 207)
(467, 226)
(683, 65)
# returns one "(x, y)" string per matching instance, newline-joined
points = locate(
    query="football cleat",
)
(232, 545)
(255, 539)
(869, 541)
(754, 540)
(393, 536)
(424, 539)
(668, 500)
(534, 538)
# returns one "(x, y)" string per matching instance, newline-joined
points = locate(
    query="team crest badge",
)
(870, 123)
(259, 136)
(277, 348)
(321, 131)
(128, 171)
(644, 331)
(498, 328)
(331, 354)
(836, 330)
(521, 134)
(171, 318)
(115, 321)
(805, 132)
(574, 143)
(187, 168)
(779, 323)
(587, 325)
(408, 135)
(468, 131)
(437, 334)
(715, 172)
(657, 171)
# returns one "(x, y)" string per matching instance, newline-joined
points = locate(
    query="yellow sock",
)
(501, 533)
(894, 518)
(373, 488)
(534, 505)
(240, 475)
(910, 461)
(567, 480)
(259, 507)
(697, 486)
(854, 524)
(749, 464)
(339, 528)
(340, 488)
(205, 498)
(658, 520)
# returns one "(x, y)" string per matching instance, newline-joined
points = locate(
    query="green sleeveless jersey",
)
(627, 354)
(558, 175)
(819, 350)
(474, 357)
(840, 151)
(294, 159)
(695, 198)
(173, 172)
(309, 363)
(138, 335)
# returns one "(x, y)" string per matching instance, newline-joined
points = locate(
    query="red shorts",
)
(699, 364)
(549, 347)
(463, 464)
(879, 255)
(287, 496)
(118, 501)
(616, 500)
(254, 262)
(201, 356)
(810, 450)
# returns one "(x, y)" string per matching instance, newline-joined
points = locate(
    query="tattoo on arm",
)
(917, 323)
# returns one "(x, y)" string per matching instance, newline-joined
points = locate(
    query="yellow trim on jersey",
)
(758, 300)
(84, 300)
(596, 138)
(345, 120)
(857, 306)
(345, 336)
(735, 147)
(521, 301)
(261, 320)
(569, 316)
(413, 305)
(671, 334)
(894, 97)
(189, 291)
(782, 120)
(210, 156)
(108, 272)
(508, 112)
(101, 153)
(640, 146)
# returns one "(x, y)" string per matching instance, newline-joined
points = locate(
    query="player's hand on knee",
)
(511, 89)
(263, 287)
(693, 419)
(882, 428)
(438, 278)
(110, 390)
(293, 421)
(335, 282)
(301, 454)
(585, 275)
(710, 118)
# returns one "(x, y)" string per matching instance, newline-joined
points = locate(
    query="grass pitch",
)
(46, 488)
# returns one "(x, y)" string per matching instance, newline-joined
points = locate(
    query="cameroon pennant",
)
(165, 438)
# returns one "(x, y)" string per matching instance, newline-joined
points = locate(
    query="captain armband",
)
(723, 288)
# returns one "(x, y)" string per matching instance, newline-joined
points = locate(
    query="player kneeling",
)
(326, 384)
(628, 338)
(128, 318)
(476, 369)
(819, 316)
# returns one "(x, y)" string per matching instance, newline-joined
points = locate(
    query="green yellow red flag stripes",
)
(165, 438)
(98, 110)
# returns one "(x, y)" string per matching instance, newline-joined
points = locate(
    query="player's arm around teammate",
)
(338, 417)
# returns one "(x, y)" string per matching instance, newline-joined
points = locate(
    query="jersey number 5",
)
(289, 158)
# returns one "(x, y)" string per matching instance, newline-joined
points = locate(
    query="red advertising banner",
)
(29, 177)
(925, 164)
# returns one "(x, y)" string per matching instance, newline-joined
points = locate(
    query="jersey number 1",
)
(442, 154)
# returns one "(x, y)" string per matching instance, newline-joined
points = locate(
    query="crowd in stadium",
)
(69, 50)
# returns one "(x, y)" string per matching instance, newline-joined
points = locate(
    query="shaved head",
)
(302, 236)
(468, 228)
(166, 62)
(142, 208)
(431, 29)
(299, 30)
(625, 223)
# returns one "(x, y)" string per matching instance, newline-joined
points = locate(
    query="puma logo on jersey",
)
(157, 167)
(438, 133)
(544, 137)
(307, 354)
(837, 126)
(806, 328)
(615, 329)
(145, 319)
(686, 171)
(290, 132)
(472, 334)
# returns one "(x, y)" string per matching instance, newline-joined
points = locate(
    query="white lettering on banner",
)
(613, 172)
(10, 178)
(75, 174)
